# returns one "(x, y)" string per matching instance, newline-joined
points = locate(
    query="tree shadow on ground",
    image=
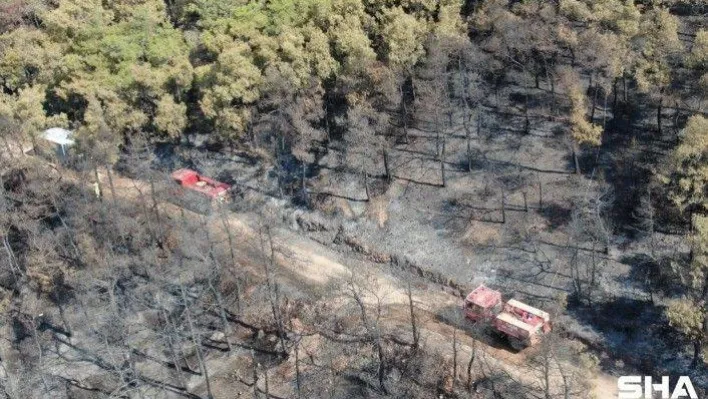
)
(633, 330)
(625, 158)
(557, 215)
(654, 274)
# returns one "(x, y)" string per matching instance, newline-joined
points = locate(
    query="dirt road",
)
(317, 264)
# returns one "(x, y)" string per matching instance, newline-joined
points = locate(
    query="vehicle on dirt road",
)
(521, 324)
(198, 192)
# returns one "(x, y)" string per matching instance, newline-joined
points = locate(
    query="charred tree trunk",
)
(222, 315)
(677, 115)
(298, 389)
(173, 351)
(572, 58)
(527, 119)
(593, 274)
(437, 128)
(278, 168)
(404, 112)
(266, 383)
(255, 375)
(272, 285)
(469, 150)
(442, 164)
(381, 373)
(414, 323)
(153, 197)
(552, 84)
(469, 365)
(454, 357)
(328, 128)
(537, 79)
(111, 185)
(576, 160)
(302, 181)
(467, 117)
(387, 168)
(698, 344)
(503, 206)
(659, 109)
(697, 349)
(594, 103)
(34, 144)
(197, 344)
(232, 254)
(575, 274)
(604, 115)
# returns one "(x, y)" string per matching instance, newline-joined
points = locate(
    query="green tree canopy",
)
(121, 62)
(686, 176)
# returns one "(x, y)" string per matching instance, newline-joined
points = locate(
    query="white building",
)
(61, 139)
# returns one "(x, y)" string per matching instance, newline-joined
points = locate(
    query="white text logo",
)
(638, 387)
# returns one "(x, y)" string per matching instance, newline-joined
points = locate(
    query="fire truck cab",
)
(482, 304)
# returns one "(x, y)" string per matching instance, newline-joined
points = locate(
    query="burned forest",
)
(458, 199)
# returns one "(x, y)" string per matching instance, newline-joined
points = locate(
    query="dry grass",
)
(377, 210)
(482, 233)
(342, 207)
(333, 206)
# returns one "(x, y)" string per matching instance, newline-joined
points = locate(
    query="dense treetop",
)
(152, 65)
(201, 65)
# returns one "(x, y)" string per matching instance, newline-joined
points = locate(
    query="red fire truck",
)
(522, 324)
(198, 192)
